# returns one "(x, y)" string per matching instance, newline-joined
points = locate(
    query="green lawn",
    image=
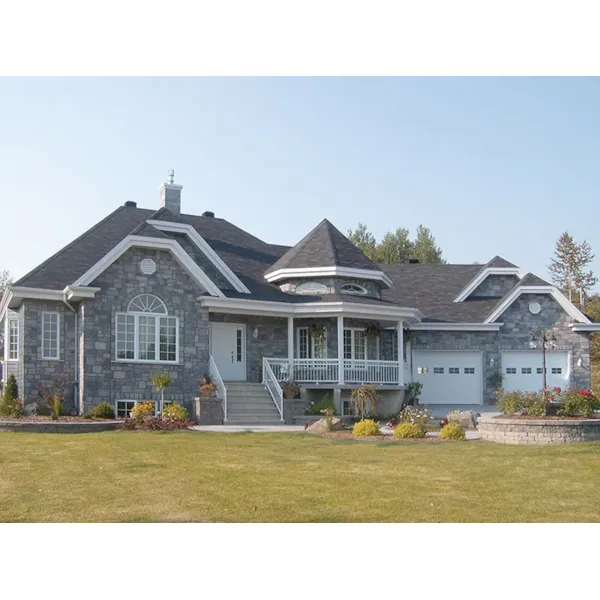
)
(172, 477)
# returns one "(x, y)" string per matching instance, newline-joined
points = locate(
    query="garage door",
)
(523, 370)
(449, 377)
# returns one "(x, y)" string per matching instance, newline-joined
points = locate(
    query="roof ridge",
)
(69, 245)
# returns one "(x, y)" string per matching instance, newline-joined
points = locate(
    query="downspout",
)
(76, 352)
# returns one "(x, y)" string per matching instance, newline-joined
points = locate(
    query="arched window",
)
(146, 333)
(353, 288)
(312, 287)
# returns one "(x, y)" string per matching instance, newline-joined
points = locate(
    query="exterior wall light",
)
(255, 333)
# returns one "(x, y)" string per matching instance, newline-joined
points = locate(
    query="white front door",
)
(228, 349)
(449, 377)
(523, 370)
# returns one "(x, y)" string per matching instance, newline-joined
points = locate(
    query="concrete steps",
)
(250, 404)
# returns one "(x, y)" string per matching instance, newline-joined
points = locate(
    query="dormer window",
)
(353, 288)
(312, 287)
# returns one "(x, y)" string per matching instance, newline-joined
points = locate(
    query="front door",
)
(228, 349)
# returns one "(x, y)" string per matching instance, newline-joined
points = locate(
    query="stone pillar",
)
(400, 334)
(208, 411)
(340, 344)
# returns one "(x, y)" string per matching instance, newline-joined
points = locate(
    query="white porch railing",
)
(218, 381)
(272, 385)
(384, 372)
(326, 370)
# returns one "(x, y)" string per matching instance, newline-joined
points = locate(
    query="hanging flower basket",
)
(372, 331)
(317, 331)
(408, 335)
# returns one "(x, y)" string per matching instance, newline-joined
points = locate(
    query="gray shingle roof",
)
(324, 246)
(498, 261)
(531, 279)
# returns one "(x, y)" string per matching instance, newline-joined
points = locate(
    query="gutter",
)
(76, 352)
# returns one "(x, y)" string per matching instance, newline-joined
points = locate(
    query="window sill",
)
(52, 359)
(121, 361)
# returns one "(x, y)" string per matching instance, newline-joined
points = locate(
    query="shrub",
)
(412, 393)
(53, 396)
(453, 431)
(409, 430)
(142, 411)
(579, 403)
(317, 408)
(290, 388)
(161, 381)
(9, 404)
(328, 412)
(365, 398)
(155, 424)
(175, 412)
(102, 411)
(510, 402)
(535, 403)
(415, 415)
(365, 428)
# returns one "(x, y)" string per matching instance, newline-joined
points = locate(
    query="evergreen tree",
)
(10, 405)
(365, 240)
(568, 268)
(424, 248)
(395, 247)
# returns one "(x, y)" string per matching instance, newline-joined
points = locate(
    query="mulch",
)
(63, 419)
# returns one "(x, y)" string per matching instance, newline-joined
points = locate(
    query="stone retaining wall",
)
(538, 431)
(57, 426)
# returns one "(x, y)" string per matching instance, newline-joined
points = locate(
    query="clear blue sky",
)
(491, 166)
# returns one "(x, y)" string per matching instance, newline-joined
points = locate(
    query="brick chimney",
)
(170, 194)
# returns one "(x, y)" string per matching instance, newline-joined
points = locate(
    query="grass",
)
(185, 476)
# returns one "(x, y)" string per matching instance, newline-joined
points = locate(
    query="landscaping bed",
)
(48, 418)
(347, 435)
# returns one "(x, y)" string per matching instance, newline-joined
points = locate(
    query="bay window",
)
(146, 333)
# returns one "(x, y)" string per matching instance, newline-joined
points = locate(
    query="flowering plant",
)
(579, 402)
(415, 415)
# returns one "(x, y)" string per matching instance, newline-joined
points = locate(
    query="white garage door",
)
(523, 370)
(449, 377)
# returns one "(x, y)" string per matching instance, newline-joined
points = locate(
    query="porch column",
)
(400, 335)
(291, 341)
(340, 341)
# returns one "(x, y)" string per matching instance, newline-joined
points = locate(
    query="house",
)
(147, 290)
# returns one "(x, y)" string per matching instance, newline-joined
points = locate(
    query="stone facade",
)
(103, 378)
(494, 286)
(334, 285)
(538, 431)
(515, 334)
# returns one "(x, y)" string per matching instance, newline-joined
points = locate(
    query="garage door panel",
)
(449, 377)
(523, 370)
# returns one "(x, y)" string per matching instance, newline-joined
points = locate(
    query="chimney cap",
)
(131, 204)
(209, 214)
(171, 176)
(414, 261)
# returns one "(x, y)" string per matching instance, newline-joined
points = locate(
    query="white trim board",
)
(330, 272)
(204, 247)
(140, 241)
(456, 326)
(592, 327)
(569, 308)
(288, 309)
(482, 276)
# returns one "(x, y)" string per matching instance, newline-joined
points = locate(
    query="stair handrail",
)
(273, 386)
(218, 381)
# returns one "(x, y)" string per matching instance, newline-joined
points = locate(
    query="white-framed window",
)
(50, 335)
(511, 370)
(353, 288)
(13, 339)
(123, 408)
(438, 370)
(309, 347)
(453, 370)
(556, 370)
(312, 287)
(422, 370)
(469, 370)
(540, 370)
(525, 370)
(355, 344)
(146, 333)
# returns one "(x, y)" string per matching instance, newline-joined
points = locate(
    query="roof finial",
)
(171, 176)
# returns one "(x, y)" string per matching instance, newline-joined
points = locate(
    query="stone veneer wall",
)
(538, 431)
(515, 334)
(334, 284)
(494, 286)
(34, 368)
(107, 380)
